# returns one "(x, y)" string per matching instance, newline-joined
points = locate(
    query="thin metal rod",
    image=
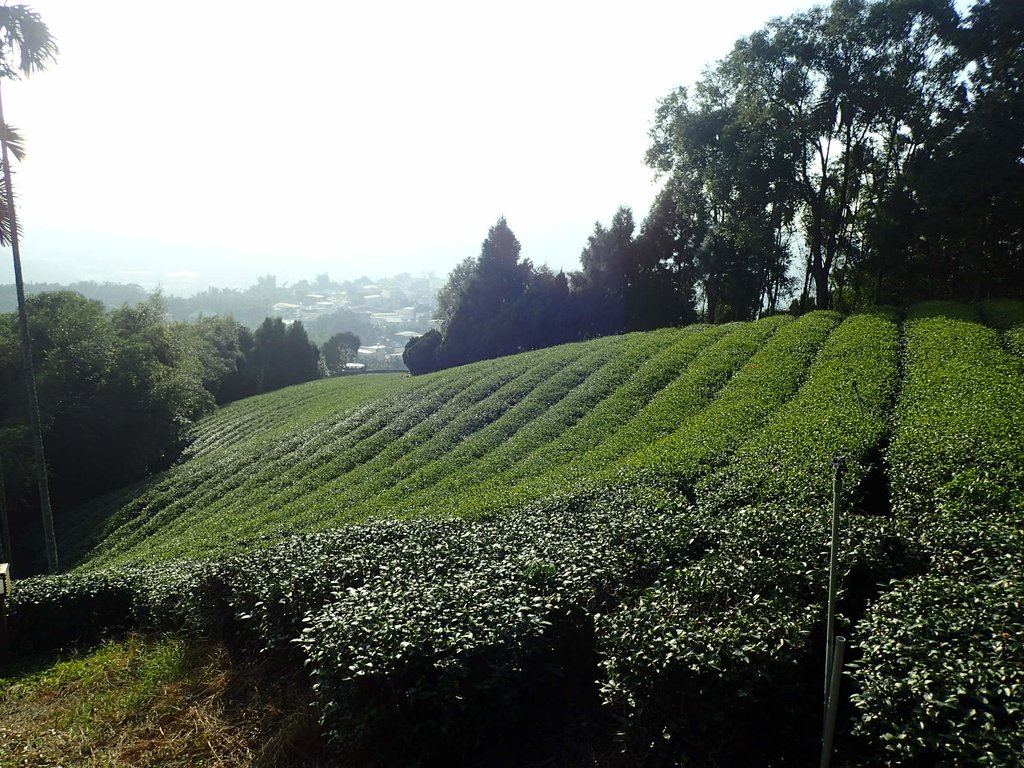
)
(829, 730)
(838, 468)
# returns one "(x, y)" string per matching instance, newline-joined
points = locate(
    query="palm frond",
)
(23, 32)
(5, 218)
(15, 141)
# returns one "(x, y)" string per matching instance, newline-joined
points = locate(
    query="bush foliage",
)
(942, 674)
(580, 581)
(842, 408)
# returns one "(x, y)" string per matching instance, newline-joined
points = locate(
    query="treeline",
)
(119, 391)
(111, 294)
(879, 146)
(497, 304)
(854, 154)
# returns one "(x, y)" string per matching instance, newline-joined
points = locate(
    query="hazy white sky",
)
(185, 145)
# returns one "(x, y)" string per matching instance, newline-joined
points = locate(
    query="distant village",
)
(384, 313)
(396, 317)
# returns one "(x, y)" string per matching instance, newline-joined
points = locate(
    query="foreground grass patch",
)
(151, 701)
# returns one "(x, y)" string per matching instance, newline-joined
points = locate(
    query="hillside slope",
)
(627, 536)
(466, 441)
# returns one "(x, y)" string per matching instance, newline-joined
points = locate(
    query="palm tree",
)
(24, 38)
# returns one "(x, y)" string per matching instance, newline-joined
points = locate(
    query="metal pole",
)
(5, 575)
(829, 732)
(860, 400)
(838, 468)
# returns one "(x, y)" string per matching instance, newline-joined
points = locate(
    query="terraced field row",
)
(942, 672)
(663, 532)
(676, 404)
(487, 437)
(470, 441)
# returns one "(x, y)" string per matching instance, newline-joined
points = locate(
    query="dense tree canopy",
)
(450, 297)
(224, 349)
(283, 355)
(483, 320)
(120, 390)
(118, 393)
(498, 303)
(421, 354)
(879, 143)
(608, 274)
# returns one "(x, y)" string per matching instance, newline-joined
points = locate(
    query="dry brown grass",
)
(145, 702)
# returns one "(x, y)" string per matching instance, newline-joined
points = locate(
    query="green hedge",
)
(681, 380)
(1006, 315)
(720, 663)
(463, 477)
(941, 675)
(450, 633)
(689, 393)
(958, 426)
(472, 630)
(438, 638)
(427, 442)
(229, 481)
(585, 418)
(709, 438)
(941, 678)
(282, 487)
(462, 464)
(49, 612)
(843, 408)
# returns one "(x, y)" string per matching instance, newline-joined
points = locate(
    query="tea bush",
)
(957, 419)
(701, 627)
(586, 424)
(372, 459)
(49, 612)
(942, 674)
(941, 680)
(690, 392)
(709, 438)
(465, 625)
(1006, 315)
(605, 439)
(461, 472)
(842, 409)
(592, 408)
(720, 662)
(440, 625)
(463, 463)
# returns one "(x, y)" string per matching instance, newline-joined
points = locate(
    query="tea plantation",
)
(613, 552)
